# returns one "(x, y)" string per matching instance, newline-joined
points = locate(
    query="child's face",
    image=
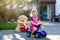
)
(34, 13)
(22, 19)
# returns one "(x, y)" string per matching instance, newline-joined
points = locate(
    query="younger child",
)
(21, 22)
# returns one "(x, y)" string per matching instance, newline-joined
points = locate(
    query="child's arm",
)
(42, 25)
(40, 22)
(22, 22)
(25, 21)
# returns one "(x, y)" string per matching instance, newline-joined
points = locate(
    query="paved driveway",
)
(52, 29)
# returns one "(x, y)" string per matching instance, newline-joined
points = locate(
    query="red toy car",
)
(23, 28)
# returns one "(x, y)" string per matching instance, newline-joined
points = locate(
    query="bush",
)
(8, 26)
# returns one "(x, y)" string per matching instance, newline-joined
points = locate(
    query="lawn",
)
(8, 26)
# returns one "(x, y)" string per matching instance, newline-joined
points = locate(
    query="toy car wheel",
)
(44, 34)
(28, 35)
(37, 35)
(22, 29)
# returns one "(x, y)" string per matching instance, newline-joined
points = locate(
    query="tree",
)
(2, 8)
(5, 14)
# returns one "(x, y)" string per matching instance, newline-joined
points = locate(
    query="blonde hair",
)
(33, 10)
(22, 16)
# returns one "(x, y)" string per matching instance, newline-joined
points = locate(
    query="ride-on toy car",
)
(23, 28)
(39, 33)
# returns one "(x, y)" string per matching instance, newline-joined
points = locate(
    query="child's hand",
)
(36, 24)
(40, 22)
(43, 28)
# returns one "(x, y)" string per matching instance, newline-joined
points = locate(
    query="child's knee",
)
(35, 28)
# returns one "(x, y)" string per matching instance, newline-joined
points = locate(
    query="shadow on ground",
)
(12, 35)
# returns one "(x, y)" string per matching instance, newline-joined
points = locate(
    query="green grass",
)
(8, 26)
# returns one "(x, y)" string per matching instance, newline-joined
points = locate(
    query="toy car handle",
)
(38, 25)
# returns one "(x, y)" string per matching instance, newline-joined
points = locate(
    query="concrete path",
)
(52, 29)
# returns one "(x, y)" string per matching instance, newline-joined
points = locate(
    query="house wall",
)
(57, 7)
(49, 12)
